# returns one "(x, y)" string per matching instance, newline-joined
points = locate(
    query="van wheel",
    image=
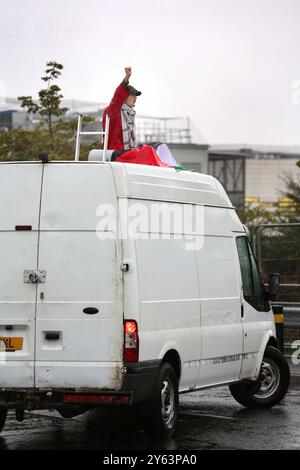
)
(3, 414)
(271, 386)
(160, 412)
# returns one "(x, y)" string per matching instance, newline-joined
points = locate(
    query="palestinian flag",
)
(148, 155)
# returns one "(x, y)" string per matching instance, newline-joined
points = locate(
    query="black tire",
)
(160, 412)
(3, 414)
(271, 386)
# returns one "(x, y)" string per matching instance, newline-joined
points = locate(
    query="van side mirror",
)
(274, 284)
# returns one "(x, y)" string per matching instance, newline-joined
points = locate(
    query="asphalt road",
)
(210, 419)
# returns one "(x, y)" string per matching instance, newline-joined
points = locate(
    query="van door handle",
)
(52, 336)
(242, 311)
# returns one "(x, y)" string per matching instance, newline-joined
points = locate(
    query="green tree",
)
(253, 214)
(283, 212)
(49, 102)
(54, 135)
(23, 144)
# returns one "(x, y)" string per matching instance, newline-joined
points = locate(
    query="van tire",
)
(271, 386)
(3, 414)
(161, 410)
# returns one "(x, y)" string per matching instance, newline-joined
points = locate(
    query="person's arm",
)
(121, 92)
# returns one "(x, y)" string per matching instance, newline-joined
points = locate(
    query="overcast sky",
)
(233, 66)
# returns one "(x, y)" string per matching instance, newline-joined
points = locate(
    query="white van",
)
(125, 285)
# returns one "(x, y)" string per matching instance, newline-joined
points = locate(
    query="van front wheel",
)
(3, 414)
(271, 386)
(160, 412)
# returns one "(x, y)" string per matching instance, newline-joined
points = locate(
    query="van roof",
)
(158, 183)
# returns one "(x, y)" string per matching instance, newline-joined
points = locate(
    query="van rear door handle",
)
(242, 311)
(52, 336)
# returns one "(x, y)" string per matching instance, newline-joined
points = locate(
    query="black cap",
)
(133, 91)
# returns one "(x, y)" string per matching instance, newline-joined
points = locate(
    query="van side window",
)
(253, 288)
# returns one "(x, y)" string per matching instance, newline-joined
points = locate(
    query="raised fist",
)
(128, 72)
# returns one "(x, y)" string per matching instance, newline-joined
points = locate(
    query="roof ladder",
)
(80, 133)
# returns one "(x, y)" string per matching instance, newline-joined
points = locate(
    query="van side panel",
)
(169, 316)
(222, 336)
(78, 249)
(20, 186)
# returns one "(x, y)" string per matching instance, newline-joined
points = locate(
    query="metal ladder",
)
(80, 133)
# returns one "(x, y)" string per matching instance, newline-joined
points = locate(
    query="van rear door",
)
(79, 341)
(20, 187)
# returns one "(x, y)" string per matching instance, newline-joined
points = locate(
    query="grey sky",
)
(228, 64)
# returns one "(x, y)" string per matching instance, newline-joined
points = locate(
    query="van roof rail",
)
(80, 133)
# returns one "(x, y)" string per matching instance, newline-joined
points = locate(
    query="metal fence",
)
(277, 249)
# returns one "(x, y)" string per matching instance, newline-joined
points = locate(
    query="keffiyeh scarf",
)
(128, 127)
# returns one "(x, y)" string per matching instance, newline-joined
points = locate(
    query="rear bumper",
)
(138, 384)
(58, 399)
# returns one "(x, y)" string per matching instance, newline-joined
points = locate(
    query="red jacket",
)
(115, 138)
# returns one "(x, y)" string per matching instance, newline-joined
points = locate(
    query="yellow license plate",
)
(11, 344)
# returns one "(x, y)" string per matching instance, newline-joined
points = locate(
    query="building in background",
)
(177, 134)
(254, 173)
(12, 115)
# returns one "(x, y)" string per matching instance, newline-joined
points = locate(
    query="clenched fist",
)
(128, 73)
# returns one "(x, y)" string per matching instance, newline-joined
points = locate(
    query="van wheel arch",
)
(273, 342)
(172, 357)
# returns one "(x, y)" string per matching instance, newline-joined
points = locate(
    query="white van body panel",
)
(20, 186)
(83, 269)
(19, 205)
(167, 184)
(267, 335)
(258, 328)
(169, 303)
(215, 352)
(174, 296)
(222, 337)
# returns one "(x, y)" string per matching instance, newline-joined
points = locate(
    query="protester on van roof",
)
(122, 131)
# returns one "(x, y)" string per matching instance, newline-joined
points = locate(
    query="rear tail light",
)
(131, 341)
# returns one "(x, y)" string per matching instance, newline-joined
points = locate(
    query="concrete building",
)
(254, 173)
(12, 115)
(191, 156)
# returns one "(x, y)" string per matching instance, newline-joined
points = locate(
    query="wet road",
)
(209, 419)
